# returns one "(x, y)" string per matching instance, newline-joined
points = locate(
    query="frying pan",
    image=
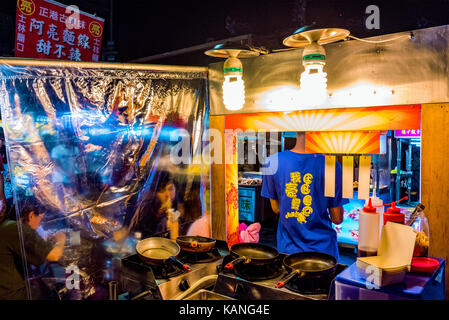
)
(195, 243)
(307, 264)
(252, 253)
(158, 251)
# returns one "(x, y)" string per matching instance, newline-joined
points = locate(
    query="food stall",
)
(129, 130)
(377, 88)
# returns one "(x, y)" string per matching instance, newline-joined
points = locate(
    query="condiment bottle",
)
(368, 231)
(394, 214)
(379, 205)
(420, 225)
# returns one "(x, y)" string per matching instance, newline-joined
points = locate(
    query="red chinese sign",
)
(46, 29)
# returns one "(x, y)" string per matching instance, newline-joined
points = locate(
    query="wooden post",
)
(435, 178)
(218, 185)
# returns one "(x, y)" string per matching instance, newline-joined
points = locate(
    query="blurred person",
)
(37, 250)
(65, 155)
(191, 207)
(152, 213)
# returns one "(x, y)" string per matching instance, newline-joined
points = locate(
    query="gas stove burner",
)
(252, 273)
(310, 286)
(160, 272)
(200, 257)
(256, 273)
(314, 285)
(166, 271)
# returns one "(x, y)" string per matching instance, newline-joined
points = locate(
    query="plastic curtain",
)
(98, 150)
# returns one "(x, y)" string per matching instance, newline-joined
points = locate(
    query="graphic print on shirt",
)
(291, 190)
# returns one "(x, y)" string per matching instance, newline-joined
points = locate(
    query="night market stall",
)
(105, 148)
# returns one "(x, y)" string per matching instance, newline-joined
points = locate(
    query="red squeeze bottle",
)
(394, 214)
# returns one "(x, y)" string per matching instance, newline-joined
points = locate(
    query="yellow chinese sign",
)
(26, 7)
(95, 29)
(291, 190)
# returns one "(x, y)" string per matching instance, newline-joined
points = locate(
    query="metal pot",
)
(307, 264)
(195, 243)
(158, 251)
(252, 253)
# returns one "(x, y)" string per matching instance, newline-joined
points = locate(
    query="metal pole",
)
(203, 46)
(98, 65)
(111, 19)
(398, 171)
(409, 169)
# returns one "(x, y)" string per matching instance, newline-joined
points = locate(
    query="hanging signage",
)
(46, 29)
(404, 134)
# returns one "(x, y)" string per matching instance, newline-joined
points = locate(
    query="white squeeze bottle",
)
(379, 205)
(368, 231)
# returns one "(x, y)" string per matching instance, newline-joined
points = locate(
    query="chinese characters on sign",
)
(44, 30)
(407, 133)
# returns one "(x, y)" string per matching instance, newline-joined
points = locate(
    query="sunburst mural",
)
(345, 119)
(343, 142)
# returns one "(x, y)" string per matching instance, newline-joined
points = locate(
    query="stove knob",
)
(184, 285)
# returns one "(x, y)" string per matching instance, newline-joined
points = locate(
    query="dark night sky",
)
(147, 27)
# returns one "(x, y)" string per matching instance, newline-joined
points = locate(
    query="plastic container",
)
(393, 214)
(377, 203)
(422, 241)
(368, 231)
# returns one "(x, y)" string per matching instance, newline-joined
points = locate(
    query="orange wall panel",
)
(343, 142)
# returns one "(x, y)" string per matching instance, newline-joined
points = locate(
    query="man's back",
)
(298, 185)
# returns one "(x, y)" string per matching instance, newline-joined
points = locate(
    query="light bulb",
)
(314, 84)
(313, 78)
(233, 92)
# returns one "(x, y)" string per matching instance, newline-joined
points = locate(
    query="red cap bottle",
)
(394, 214)
(369, 208)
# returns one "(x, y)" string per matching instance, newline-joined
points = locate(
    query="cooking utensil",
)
(158, 251)
(307, 264)
(195, 243)
(253, 253)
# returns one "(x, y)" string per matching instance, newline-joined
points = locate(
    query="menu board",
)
(46, 29)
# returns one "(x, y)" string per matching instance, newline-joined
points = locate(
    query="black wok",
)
(195, 243)
(252, 253)
(159, 251)
(307, 264)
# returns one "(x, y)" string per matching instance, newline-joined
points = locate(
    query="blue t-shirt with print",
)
(296, 180)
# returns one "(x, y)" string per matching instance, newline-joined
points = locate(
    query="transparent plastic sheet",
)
(93, 149)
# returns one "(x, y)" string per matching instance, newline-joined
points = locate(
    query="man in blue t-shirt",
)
(294, 183)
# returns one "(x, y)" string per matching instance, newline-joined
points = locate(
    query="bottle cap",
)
(393, 209)
(369, 208)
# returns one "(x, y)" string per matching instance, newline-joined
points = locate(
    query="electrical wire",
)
(380, 41)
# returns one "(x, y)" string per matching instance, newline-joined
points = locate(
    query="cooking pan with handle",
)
(306, 265)
(195, 243)
(255, 254)
(159, 251)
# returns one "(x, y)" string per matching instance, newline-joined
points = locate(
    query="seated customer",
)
(12, 277)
